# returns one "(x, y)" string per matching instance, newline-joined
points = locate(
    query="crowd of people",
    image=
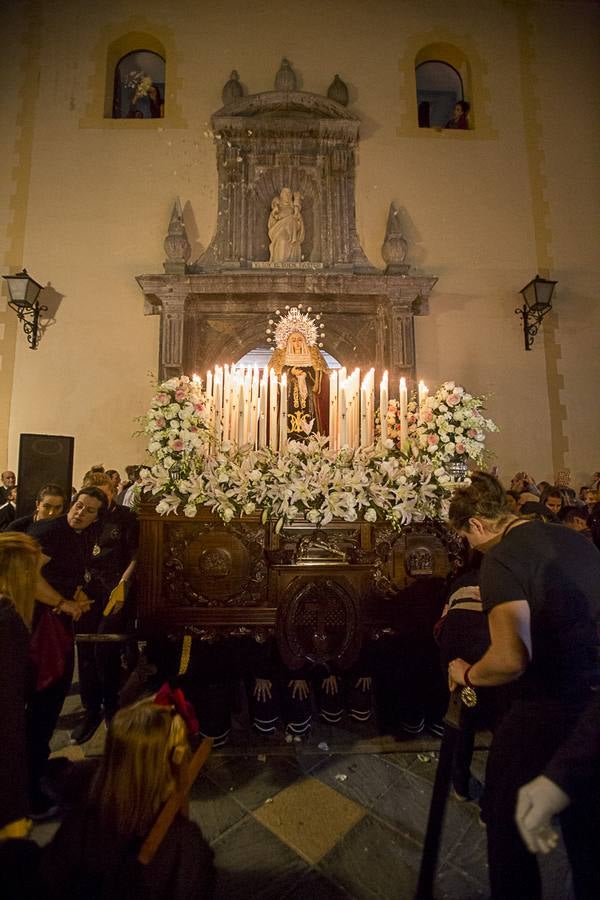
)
(519, 628)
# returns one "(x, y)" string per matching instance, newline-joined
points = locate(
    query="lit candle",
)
(342, 416)
(262, 403)
(363, 415)
(247, 405)
(383, 405)
(423, 392)
(226, 402)
(196, 379)
(242, 409)
(254, 408)
(283, 414)
(371, 412)
(403, 413)
(273, 423)
(234, 407)
(218, 403)
(333, 410)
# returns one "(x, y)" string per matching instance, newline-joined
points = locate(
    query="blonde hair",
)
(137, 773)
(20, 557)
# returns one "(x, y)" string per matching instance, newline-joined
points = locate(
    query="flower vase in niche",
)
(298, 355)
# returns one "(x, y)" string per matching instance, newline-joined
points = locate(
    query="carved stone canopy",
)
(215, 309)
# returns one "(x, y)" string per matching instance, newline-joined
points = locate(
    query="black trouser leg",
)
(523, 744)
(90, 684)
(43, 710)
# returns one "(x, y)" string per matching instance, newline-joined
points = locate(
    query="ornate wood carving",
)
(319, 621)
(213, 565)
(323, 590)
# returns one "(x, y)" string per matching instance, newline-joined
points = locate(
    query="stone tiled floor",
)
(341, 814)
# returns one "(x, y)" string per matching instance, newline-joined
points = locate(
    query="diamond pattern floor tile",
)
(310, 817)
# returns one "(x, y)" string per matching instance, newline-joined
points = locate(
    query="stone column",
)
(171, 337)
(402, 360)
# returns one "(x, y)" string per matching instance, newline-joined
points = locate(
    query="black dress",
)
(85, 860)
(14, 651)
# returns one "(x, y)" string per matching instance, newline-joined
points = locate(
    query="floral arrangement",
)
(450, 424)
(307, 480)
(178, 426)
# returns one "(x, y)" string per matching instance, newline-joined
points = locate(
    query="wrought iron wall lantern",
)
(23, 291)
(537, 297)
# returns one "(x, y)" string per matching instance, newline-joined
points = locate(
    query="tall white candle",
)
(262, 404)
(403, 395)
(283, 430)
(209, 384)
(254, 408)
(218, 404)
(364, 438)
(423, 392)
(234, 407)
(333, 410)
(226, 402)
(242, 407)
(343, 434)
(371, 401)
(273, 423)
(383, 405)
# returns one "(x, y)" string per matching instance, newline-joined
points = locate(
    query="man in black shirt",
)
(540, 589)
(111, 564)
(66, 543)
(50, 504)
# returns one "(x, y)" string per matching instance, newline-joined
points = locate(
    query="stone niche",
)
(215, 309)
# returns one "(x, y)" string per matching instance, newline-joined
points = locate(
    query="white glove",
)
(537, 803)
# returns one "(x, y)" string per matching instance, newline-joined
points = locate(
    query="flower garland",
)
(307, 480)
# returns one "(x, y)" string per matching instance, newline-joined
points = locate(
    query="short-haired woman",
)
(539, 588)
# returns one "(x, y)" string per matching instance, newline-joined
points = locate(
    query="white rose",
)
(370, 515)
(313, 516)
(227, 514)
(189, 510)
(249, 508)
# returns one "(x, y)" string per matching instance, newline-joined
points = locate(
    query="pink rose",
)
(199, 407)
(160, 422)
(179, 395)
(176, 444)
(162, 399)
(427, 415)
(432, 439)
(460, 448)
(472, 433)
(452, 400)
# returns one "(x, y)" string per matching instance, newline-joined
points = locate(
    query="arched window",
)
(139, 86)
(439, 89)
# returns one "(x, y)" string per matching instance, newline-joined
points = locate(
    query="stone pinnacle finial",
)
(394, 246)
(285, 80)
(176, 244)
(338, 91)
(232, 89)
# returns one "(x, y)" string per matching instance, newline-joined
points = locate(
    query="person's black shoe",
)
(87, 728)
(42, 807)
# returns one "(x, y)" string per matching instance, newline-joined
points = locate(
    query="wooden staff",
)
(177, 802)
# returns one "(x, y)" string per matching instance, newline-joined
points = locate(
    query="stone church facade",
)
(148, 231)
